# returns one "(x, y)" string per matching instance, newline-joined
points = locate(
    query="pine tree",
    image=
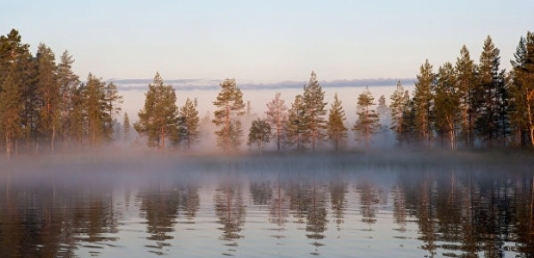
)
(408, 135)
(68, 84)
(127, 128)
(367, 123)
(382, 108)
(315, 110)
(522, 90)
(49, 92)
(112, 101)
(259, 133)
(188, 124)
(158, 120)
(423, 103)
(277, 117)
(95, 109)
(447, 104)
(397, 107)
(295, 127)
(78, 114)
(230, 107)
(336, 129)
(466, 80)
(491, 124)
(10, 106)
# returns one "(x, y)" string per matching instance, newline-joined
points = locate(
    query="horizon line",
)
(212, 84)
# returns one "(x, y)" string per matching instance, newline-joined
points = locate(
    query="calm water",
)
(265, 209)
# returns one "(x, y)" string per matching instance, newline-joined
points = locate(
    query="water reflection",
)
(230, 212)
(469, 212)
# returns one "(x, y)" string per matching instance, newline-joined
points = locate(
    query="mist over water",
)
(374, 204)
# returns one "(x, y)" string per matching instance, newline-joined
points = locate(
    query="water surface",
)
(265, 208)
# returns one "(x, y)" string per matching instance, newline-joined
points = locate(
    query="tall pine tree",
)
(447, 105)
(276, 117)
(423, 103)
(158, 120)
(336, 129)
(296, 125)
(315, 110)
(48, 89)
(399, 101)
(68, 84)
(230, 107)
(466, 80)
(188, 124)
(492, 123)
(367, 124)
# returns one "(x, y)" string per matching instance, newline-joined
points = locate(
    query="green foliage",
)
(68, 84)
(466, 82)
(296, 125)
(367, 123)
(492, 122)
(522, 90)
(188, 124)
(336, 129)
(277, 117)
(158, 120)
(447, 104)
(230, 107)
(423, 103)
(315, 111)
(10, 106)
(259, 133)
(399, 102)
(49, 93)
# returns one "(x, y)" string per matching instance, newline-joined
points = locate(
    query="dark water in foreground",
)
(285, 211)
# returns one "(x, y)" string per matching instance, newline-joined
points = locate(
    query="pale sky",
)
(266, 41)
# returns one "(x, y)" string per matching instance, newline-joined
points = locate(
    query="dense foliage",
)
(44, 106)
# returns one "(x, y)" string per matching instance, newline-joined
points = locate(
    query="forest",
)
(46, 108)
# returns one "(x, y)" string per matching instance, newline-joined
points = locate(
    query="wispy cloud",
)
(208, 84)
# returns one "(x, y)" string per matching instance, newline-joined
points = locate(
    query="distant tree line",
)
(463, 105)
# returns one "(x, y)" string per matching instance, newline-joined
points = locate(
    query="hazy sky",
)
(266, 41)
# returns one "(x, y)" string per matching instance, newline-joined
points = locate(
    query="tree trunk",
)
(53, 138)
(8, 146)
(529, 96)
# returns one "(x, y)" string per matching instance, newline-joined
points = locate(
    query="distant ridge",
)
(210, 84)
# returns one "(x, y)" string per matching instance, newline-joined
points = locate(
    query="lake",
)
(349, 205)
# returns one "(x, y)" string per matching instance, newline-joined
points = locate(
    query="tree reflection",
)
(308, 204)
(261, 192)
(190, 201)
(399, 206)
(524, 201)
(338, 190)
(159, 206)
(45, 220)
(369, 200)
(278, 207)
(426, 213)
(230, 211)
